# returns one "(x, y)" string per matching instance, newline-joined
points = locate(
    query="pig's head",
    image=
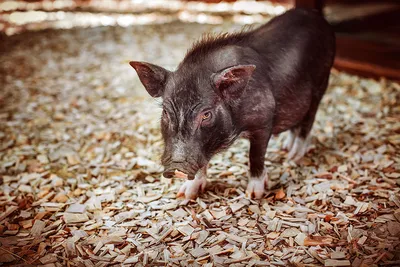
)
(197, 119)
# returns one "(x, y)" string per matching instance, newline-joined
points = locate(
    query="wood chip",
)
(290, 232)
(50, 258)
(236, 238)
(37, 228)
(185, 230)
(76, 208)
(330, 262)
(218, 214)
(362, 240)
(318, 241)
(148, 199)
(7, 257)
(179, 174)
(26, 224)
(8, 211)
(198, 252)
(236, 206)
(280, 194)
(338, 255)
(75, 218)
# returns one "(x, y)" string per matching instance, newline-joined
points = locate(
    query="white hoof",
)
(256, 186)
(299, 149)
(191, 188)
(288, 143)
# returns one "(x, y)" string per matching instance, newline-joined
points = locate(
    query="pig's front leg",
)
(191, 188)
(258, 175)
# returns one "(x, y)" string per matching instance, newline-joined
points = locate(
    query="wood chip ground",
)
(80, 181)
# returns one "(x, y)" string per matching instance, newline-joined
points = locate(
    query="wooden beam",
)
(367, 58)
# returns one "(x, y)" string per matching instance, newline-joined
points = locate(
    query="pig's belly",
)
(289, 116)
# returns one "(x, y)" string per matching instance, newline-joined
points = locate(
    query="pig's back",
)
(297, 45)
(293, 54)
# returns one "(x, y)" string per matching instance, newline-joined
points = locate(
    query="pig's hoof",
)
(256, 187)
(191, 188)
(299, 149)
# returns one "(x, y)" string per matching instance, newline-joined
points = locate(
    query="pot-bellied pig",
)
(248, 84)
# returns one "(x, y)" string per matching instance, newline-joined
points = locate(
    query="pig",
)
(251, 84)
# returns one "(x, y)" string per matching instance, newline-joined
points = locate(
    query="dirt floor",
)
(80, 177)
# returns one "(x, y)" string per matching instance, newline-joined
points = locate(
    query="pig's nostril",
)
(169, 174)
(177, 162)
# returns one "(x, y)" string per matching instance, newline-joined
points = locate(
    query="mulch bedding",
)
(80, 176)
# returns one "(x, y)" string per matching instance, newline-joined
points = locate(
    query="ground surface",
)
(80, 176)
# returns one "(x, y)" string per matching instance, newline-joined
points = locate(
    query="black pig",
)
(249, 84)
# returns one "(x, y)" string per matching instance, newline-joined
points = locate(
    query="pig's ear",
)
(231, 82)
(152, 77)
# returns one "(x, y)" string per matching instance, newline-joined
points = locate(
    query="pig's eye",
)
(206, 116)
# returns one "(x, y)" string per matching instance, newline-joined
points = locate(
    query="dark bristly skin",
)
(253, 84)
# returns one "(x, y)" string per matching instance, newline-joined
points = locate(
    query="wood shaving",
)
(179, 174)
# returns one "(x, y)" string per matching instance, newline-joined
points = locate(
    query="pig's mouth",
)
(178, 172)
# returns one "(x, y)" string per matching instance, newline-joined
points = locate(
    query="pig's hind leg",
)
(299, 145)
(299, 137)
(191, 188)
(289, 141)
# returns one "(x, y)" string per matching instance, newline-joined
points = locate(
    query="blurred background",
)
(368, 31)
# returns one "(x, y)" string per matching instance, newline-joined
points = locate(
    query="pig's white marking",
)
(191, 188)
(178, 153)
(256, 186)
(288, 143)
(299, 149)
(181, 118)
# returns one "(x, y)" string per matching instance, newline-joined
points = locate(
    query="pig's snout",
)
(177, 160)
(177, 170)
